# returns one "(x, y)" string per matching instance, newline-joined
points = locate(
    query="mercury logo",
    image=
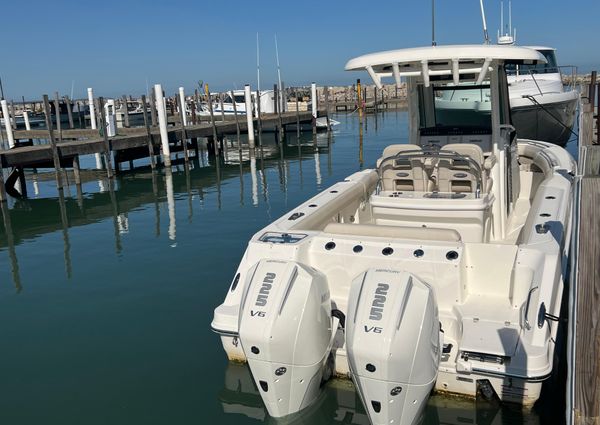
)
(266, 286)
(379, 301)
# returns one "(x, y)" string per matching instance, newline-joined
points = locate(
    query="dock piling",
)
(55, 157)
(237, 122)
(326, 93)
(57, 114)
(313, 99)
(148, 133)
(222, 108)
(250, 120)
(125, 112)
(7, 124)
(162, 123)
(69, 111)
(212, 122)
(26, 119)
(13, 121)
(107, 151)
(258, 118)
(297, 118)
(153, 117)
(182, 104)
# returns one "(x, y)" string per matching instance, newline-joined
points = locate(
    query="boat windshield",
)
(458, 107)
(542, 68)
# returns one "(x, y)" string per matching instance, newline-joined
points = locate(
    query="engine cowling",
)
(286, 330)
(393, 344)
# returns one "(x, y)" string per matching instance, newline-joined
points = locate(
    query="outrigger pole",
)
(486, 37)
(433, 43)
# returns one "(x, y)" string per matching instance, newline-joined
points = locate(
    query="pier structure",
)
(583, 350)
(165, 131)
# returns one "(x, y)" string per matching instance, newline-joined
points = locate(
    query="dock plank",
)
(587, 335)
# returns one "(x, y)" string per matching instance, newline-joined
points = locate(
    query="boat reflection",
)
(339, 404)
(27, 219)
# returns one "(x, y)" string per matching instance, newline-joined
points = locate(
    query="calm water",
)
(106, 301)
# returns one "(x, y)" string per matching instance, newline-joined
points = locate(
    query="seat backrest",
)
(456, 175)
(402, 174)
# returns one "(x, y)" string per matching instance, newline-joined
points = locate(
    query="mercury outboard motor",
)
(393, 344)
(287, 330)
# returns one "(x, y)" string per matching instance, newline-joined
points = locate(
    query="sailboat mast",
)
(280, 97)
(257, 64)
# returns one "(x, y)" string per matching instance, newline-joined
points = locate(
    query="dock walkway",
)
(583, 387)
(86, 141)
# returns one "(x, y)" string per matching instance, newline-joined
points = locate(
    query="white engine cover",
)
(286, 332)
(393, 344)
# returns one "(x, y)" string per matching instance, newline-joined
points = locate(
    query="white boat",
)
(542, 108)
(267, 103)
(441, 268)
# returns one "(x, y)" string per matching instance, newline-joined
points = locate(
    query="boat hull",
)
(551, 119)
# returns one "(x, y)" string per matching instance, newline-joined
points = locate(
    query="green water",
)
(106, 300)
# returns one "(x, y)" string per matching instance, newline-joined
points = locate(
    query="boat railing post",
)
(249, 118)
(162, 124)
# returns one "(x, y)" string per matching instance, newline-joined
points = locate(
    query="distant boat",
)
(542, 109)
(267, 103)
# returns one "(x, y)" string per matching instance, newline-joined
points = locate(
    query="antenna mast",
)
(486, 37)
(433, 43)
(510, 17)
(501, 16)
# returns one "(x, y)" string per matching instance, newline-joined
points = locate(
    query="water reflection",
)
(170, 204)
(12, 254)
(340, 404)
(142, 187)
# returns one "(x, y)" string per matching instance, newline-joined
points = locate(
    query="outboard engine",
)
(286, 330)
(393, 344)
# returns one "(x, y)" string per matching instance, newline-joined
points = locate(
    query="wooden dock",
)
(131, 143)
(583, 386)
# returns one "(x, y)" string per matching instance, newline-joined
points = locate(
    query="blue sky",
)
(116, 46)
